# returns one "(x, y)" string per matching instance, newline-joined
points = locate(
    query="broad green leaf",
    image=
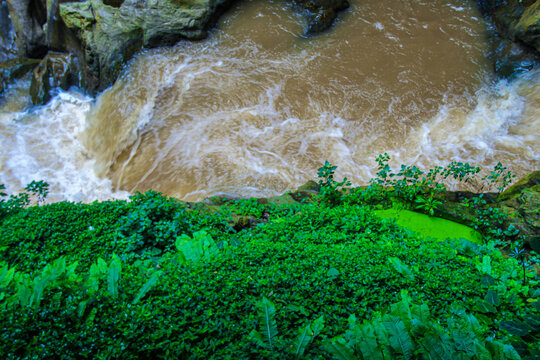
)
(302, 341)
(402, 310)
(401, 268)
(492, 298)
(420, 313)
(510, 353)
(485, 267)
(40, 284)
(382, 336)
(317, 326)
(516, 328)
(6, 275)
(482, 352)
(367, 343)
(115, 268)
(338, 348)
(485, 307)
(148, 286)
(192, 250)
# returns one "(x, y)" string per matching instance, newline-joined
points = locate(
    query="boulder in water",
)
(527, 27)
(56, 70)
(112, 31)
(14, 69)
(517, 42)
(321, 13)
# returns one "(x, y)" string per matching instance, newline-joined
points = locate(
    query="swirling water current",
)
(256, 108)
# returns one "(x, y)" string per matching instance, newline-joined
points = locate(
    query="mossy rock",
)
(14, 69)
(514, 191)
(527, 28)
(278, 200)
(530, 207)
(306, 191)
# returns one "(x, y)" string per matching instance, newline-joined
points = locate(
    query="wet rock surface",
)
(321, 14)
(105, 34)
(56, 70)
(517, 43)
(13, 69)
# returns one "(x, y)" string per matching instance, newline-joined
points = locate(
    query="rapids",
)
(255, 109)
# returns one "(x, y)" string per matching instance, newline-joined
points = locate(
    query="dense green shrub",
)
(158, 278)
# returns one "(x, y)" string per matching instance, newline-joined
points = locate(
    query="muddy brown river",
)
(256, 108)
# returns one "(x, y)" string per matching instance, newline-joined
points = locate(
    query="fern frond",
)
(398, 336)
(267, 312)
(306, 336)
(302, 341)
(382, 336)
(436, 347)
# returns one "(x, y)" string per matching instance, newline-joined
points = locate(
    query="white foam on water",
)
(254, 111)
(503, 126)
(44, 144)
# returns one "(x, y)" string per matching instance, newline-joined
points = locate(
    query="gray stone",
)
(15, 68)
(56, 70)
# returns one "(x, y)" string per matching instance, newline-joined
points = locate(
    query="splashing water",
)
(256, 109)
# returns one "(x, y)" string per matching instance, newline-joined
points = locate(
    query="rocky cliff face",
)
(104, 34)
(111, 32)
(518, 25)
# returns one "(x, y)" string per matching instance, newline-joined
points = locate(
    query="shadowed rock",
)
(56, 70)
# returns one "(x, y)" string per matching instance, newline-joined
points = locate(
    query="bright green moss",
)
(428, 226)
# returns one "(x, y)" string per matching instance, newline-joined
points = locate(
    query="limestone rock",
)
(516, 20)
(321, 13)
(278, 200)
(112, 31)
(307, 190)
(39, 28)
(8, 48)
(56, 70)
(28, 18)
(530, 207)
(517, 45)
(527, 27)
(515, 190)
(13, 69)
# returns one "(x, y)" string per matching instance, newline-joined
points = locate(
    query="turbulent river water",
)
(255, 109)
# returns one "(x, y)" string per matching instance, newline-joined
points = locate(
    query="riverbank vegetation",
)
(321, 276)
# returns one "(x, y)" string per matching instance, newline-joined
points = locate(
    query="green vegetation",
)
(155, 277)
(428, 226)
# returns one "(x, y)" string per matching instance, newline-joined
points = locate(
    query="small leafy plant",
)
(268, 337)
(429, 204)
(500, 177)
(331, 190)
(39, 188)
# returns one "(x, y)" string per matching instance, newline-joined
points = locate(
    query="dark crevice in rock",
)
(113, 3)
(516, 44)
